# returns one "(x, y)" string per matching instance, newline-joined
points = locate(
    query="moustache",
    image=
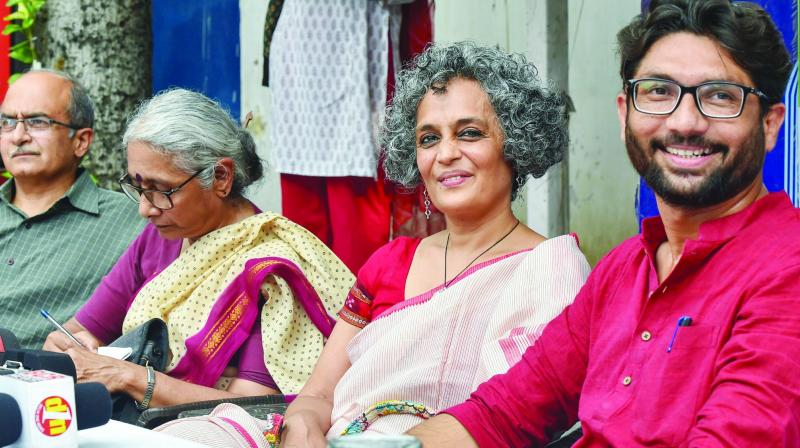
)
(680, 140)
(22, 151)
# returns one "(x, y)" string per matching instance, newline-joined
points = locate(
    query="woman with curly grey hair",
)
(429, 319)
(230, 282)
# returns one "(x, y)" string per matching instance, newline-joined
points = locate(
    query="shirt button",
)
(626, 381)
(28, 225)
(646, 335)
(10, 261)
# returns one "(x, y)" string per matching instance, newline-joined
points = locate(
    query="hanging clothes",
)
(331, 72)
(328, 68)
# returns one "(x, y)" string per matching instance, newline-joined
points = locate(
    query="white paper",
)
(115, 352)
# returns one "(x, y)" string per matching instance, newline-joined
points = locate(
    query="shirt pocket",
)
(694, 337)
(673, 385)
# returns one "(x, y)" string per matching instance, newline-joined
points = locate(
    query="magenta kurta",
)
(730, 378)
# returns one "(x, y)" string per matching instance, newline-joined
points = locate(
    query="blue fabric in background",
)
(196, 46)
(780, 167)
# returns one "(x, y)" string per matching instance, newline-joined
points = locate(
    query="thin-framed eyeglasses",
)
(34, 124)
(714, 99)
(161, 200)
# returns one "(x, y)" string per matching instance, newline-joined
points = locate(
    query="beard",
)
(731, 177)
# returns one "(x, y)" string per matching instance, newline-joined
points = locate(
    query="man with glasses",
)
(688, 334)
(59, 233)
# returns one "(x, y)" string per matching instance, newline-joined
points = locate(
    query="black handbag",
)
(149, 343)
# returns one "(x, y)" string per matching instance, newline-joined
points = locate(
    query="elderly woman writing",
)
(240, 291)
(429, 319)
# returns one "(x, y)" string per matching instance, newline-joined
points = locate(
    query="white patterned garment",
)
(435, 349)
(328, 70)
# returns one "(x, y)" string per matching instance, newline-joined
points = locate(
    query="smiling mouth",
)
(689, 153)
(453, 180)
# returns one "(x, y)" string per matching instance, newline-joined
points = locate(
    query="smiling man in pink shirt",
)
(689, 333)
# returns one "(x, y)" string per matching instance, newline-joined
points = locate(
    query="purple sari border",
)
(427, 295)
(235, 312)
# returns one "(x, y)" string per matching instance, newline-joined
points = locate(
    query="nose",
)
(146, 209)
(448, 151)
(687, 119)
(20, 134)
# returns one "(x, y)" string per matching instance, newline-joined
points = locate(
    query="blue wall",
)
(196, 46)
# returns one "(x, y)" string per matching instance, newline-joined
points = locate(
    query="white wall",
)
(602, 183)
(256, 98)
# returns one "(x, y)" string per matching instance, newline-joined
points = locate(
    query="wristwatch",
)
(148, 393)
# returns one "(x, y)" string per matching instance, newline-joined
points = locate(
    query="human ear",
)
(223, 177)
(622, 113)
(81, 141)
(772, 121)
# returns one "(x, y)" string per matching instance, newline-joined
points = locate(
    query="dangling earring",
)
(427, 203)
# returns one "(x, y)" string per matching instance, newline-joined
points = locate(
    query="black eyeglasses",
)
(32, 124)
(715, 99)
(161, 200)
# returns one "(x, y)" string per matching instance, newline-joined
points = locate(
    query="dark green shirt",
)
(55, 260)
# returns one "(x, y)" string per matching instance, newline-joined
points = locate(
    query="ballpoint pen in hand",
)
(47, 316)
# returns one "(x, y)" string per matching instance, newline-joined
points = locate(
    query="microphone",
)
(93, 404)
(92, 408)
(33, 359)
(11, 423)
(41, 360)
(7, 340)
(46, 402)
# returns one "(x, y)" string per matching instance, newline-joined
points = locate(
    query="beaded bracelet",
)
(388, 407)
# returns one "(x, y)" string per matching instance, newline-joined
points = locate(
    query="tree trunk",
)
(107, 46)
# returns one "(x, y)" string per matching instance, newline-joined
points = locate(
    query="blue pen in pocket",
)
(684, 321)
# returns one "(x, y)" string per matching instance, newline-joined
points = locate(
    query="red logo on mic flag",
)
(53, 416)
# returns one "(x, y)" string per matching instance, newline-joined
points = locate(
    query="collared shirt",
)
(618, 361)
(55, 260)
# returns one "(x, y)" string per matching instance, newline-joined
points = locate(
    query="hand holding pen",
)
(60, 328)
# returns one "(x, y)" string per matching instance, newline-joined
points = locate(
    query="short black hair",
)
(743, 29)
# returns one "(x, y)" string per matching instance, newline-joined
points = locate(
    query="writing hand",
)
(59, 342)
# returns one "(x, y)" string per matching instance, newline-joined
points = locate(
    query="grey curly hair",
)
(532, 114)
(196, 132)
